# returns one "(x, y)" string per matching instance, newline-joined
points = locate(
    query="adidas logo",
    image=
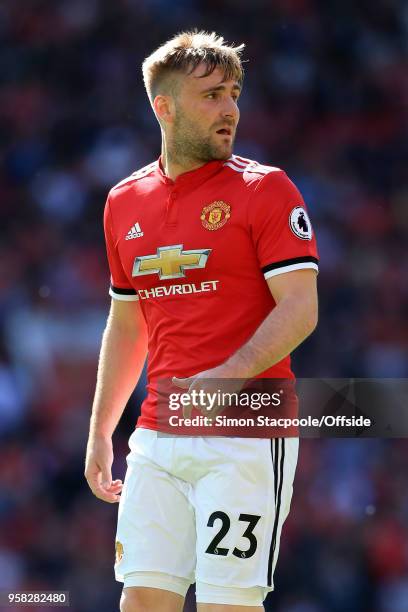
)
(134, 232)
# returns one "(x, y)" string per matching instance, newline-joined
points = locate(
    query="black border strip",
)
(278, 500)
(123, 291)
(290, 262)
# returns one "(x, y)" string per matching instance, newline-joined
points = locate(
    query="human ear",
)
(164, 108)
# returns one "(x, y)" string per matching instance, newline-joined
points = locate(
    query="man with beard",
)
(213, 271)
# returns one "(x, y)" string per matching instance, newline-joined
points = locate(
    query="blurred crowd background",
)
(325, 98)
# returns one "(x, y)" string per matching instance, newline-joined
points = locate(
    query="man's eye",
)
(211, 95)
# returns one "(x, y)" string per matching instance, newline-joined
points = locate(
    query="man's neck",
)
(173, 166)
(172, 169)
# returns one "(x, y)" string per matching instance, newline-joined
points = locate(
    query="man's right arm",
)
(122, 356)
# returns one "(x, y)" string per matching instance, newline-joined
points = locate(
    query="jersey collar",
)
(199, 175)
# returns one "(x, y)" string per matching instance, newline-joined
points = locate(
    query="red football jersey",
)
(196, 252)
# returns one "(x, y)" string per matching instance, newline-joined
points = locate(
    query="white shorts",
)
(204, 509)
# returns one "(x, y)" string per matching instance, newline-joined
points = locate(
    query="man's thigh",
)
(240, 506)
(156, 524)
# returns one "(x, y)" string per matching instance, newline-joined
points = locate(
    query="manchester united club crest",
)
(215, 215)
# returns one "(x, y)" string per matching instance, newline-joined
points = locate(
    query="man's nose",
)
(230, 109)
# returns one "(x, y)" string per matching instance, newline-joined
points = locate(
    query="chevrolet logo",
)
(170, 262)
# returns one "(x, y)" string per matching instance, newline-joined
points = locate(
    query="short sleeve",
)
(120, 288)
(281, 229)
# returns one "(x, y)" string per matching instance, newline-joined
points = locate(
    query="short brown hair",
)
(183, 53)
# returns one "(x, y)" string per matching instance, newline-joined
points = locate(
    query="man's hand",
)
(98, 469)
(213, 383)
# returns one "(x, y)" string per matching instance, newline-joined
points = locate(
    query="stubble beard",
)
(188, 145)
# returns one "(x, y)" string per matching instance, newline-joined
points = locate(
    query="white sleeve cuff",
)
(290, 268)
(125, 295)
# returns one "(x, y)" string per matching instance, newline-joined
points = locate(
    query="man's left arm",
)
(291, 321)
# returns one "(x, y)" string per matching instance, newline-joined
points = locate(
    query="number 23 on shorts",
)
(249, 523)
